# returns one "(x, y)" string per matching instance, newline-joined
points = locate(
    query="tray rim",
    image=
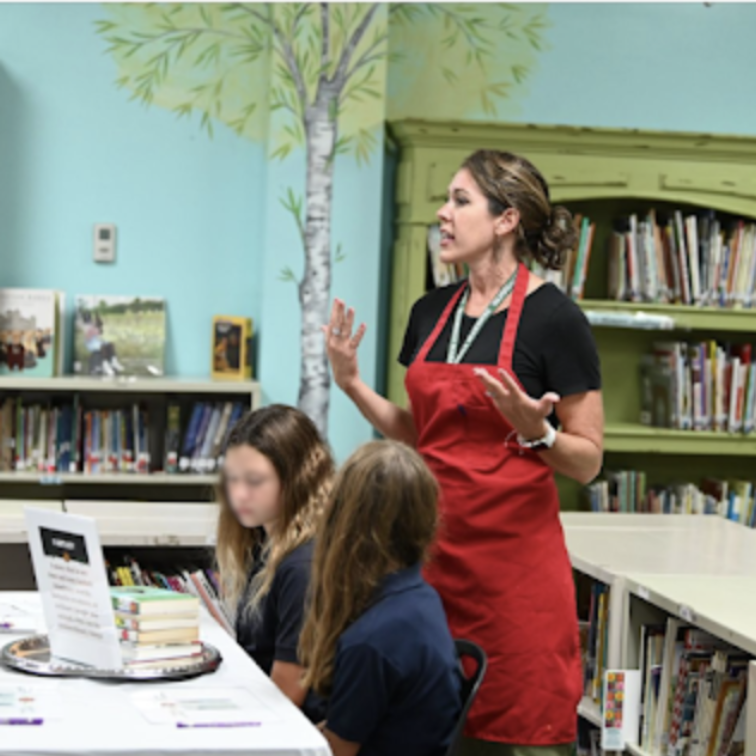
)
(206, 664)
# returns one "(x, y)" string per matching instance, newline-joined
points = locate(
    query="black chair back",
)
(470, 686)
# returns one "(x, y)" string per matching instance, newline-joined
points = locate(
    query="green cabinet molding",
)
(601, 173)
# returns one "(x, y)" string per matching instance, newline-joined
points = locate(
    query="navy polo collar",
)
(401, 581)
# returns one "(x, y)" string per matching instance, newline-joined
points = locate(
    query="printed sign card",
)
(73, 586)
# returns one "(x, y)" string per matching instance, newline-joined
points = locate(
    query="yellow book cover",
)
(231, 355)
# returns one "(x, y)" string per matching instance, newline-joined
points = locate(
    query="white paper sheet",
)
(197, 707)
(15, 619)
(31, 703)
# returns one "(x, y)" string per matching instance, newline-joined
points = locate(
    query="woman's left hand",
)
(525, 414)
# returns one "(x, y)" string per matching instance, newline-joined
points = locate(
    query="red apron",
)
(500, 562)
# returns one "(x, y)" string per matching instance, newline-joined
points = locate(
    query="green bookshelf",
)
(640, 439)
(602, 174)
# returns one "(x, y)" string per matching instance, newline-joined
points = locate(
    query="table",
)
(98, 718)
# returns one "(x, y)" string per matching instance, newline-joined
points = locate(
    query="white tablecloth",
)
(99, 718)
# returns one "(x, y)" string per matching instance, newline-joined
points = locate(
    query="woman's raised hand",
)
(342, 345)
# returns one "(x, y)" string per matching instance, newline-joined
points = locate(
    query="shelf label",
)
(643, 593)
(50, 480)
(686, 613)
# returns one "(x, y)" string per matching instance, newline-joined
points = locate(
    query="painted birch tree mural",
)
(320, 63)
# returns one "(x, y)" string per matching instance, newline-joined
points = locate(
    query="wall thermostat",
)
(104, 242)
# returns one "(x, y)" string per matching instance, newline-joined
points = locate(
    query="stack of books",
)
(156, 626)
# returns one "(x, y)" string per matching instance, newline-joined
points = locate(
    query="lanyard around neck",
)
(453, 356)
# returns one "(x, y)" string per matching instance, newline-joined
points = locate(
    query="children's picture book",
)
(119, 336)
(31, 332)
(232, 342)
(146, 600)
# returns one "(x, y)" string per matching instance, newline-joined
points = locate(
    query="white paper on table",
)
(29, 701)
(73, 586)
(197, 706)
(15, 619)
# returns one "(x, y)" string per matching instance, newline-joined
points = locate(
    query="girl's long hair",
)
(381, 517)
(303, 463)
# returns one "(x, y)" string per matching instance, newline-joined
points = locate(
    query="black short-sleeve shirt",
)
(272, 632)
(554, 349)
(396, 681)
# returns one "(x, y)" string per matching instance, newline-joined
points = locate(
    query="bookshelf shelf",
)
(724, 606)
(637, 438)
(636, 750)
(151, 479)
(124, 523)
(15, 533)
(73, 383)
(685, 317)
(589, 709)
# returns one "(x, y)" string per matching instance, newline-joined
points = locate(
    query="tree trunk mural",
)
(315, 286)
(325, 60)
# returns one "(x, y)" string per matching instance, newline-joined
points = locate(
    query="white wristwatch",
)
(539, 444)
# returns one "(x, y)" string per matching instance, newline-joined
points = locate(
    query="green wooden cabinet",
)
(601, 173)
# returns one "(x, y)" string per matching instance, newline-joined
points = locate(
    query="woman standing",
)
(504, 387)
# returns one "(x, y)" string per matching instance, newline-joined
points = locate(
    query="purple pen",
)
(6, 626)
(218, 724)
(21, 721)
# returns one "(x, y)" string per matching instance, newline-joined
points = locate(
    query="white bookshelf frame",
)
(129, 479)
(71, 384)
(75, 383)
(701, 569)
(123, 523)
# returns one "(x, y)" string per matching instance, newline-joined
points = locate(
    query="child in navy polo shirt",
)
(276, 477)
(375, 640)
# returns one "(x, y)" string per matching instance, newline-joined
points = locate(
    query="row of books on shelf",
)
(201, 583)
(572, 276)
(201, 449)
(66, 438)
(693, 692)
(693, 685)
(627, 491)
(691, 259)
(594, 635)
(703, 386)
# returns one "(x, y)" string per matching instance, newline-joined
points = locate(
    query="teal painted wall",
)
(668, 66)
(74, 151)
